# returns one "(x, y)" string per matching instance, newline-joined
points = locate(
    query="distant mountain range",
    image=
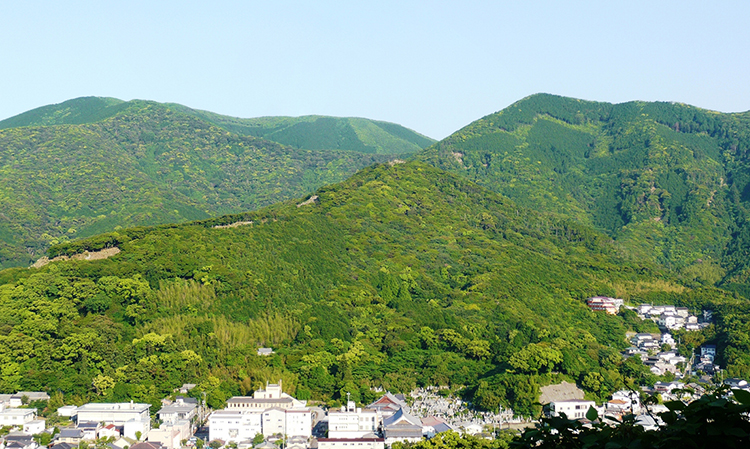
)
(93, 164)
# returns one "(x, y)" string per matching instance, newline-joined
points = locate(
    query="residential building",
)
(402, 426)
(433, 425)
(388, 404)
(186, 387)
(16, 440)
(605, 304)
(109, 431)
(170, 435)
(133, 417)
(90, 429)
(234, 425)
(181, 409)
(64, 446)
(18, 399)
(70, 435)
(296, 443)
(708, 350)
(67, 411)
(17, 416)
(34, 427)
(573, 408)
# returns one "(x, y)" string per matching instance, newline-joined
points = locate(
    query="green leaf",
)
(674, 405)
(592, 414)
(742, 396)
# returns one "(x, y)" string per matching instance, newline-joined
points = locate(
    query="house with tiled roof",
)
(401, 426)
(388, 404)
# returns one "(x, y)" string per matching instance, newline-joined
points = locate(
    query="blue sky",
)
(429, 65)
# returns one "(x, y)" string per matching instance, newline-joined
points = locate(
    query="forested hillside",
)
(314, 132)
(669, 182)
(403, 275)
(93, 165)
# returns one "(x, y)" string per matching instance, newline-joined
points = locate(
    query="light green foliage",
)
(401, 276)
(96, 165)
(454, 440)
(536, 358)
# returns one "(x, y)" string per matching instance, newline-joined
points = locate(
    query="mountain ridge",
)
(143, 164)
(660, 176)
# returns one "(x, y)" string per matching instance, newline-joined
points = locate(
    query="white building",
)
(268, 412)
(180, 409)
(34, 427)
(299, 423)
(573, 408)
(171, 435)
(234, 425)
(68, 411)
(133, 417)
(352, 422)
(17, 399)
(274, 422)
(17, 416)
(271, 397)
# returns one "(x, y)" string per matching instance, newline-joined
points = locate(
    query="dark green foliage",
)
(667, 181)
(71, 112)
(322, 133)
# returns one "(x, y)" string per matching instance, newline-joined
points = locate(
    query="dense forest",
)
(670, 182)
(92, 165)
(467, 266)
(403, 275)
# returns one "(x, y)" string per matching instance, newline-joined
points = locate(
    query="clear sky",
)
(433, 66)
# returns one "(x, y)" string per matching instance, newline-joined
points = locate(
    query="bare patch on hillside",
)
(458, 156)
(233, 225)
(88, 255)
(310, 201)
(560, 392)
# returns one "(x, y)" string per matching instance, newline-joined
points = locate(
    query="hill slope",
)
(670, 182)
(307, 133)
(403, 275)
(139, 163)
(315, 132)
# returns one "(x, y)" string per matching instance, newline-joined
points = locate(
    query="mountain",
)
(314, 132)
(92, 165)
(402, 275)
(311, 132)
(669, 182)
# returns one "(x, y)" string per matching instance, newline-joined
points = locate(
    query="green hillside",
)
(669, 182)
(403, 275)
(315, 132)
(93, 165)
